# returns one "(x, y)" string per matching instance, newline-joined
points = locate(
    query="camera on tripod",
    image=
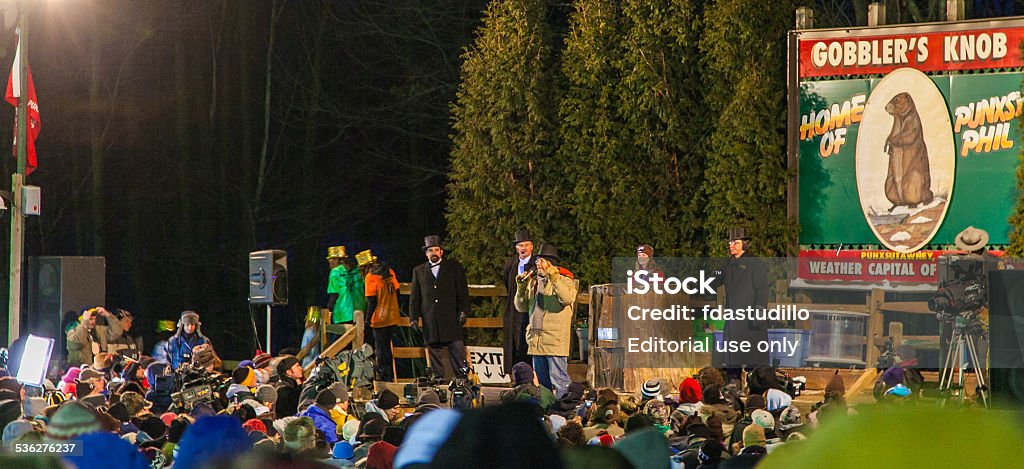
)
(197, 385)
(961, 282)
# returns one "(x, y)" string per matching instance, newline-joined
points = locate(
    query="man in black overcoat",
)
(514, 323)
(440, 296)
(745, 278)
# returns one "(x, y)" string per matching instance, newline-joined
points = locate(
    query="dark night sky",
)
(152, 131)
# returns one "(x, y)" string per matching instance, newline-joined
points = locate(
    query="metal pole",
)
(268, 329)
(17, 181)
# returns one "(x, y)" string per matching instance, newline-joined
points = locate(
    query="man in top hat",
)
(344, 287)
(745, 278)
(440, 296)
(547, 295)
(514, 323)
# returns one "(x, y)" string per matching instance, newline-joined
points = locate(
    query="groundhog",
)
(909, 179)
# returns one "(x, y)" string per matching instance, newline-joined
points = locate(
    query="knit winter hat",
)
(152, 426)
(33, 406)
(254, 425)
(835, 387)
(893, 376)
(650, 389)
(712, 395)
(177, 429)
(342, 450)
(71, 420)
(522, 373)
(211, 440)
(753, 435)
(120, 412)
(710, 451)
(71, 375)
(689, 391)
(428, 397)
(15, 429)
(645, 249)
(381, 454)
(754, 402)
(261, 359)
(331, 395)
(790, 418)
(244, 376)
(285, 364)
(349, 430)
(387, 400)
(266, 394)
(763, 418)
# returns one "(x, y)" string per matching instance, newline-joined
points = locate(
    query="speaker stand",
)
(268, 330)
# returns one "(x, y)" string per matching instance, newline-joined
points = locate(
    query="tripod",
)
(965, 327)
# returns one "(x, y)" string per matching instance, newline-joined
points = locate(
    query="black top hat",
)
(738, 233)
(522, 235)
(548, 251)
(430, 241)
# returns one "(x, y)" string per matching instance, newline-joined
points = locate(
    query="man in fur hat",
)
(188, 337)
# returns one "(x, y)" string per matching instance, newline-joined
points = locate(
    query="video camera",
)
(430, 381)
(196, 385)
(962, 286)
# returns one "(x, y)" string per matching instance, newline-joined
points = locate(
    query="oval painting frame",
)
(906, 160)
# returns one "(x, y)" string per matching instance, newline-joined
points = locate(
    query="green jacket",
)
(348, 285)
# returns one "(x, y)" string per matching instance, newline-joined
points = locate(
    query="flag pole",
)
(17, 181)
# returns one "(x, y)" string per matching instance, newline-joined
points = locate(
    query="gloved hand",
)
(415, 325)
(462, 319)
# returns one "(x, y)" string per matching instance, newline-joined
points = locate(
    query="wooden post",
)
(875, 325)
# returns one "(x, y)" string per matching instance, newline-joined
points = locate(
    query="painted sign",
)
(907, 160)
(868, 266)
(488, 364)
(880, 52)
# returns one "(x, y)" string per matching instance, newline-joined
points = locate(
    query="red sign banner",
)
(926, 51)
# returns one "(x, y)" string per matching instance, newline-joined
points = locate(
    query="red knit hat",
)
(261, 359)
(689, 391)
(254, 425)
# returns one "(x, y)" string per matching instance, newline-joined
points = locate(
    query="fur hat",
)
(299, 434)
(204, 356)
(189, 317)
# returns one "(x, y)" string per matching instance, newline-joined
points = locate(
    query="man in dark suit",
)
(746, 285)
(514, 322)
(440, 295)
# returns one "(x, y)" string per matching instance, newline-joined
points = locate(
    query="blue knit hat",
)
(209, 440)
(104, 449)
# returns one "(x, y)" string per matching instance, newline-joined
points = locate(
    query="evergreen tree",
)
(504, 176)
(746, 178)
(590, 135)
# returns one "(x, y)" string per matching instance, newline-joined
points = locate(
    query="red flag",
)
(13, 93)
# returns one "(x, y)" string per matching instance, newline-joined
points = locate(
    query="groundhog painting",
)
(906, 159)
(908, 181)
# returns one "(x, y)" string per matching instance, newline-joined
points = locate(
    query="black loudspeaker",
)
(268, 277)
(1006, 335)
(56, 285)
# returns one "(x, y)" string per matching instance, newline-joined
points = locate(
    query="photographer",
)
(963, 290)
(128, 342)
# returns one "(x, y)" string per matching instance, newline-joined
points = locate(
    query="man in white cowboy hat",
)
(440, 295)
(973, 241)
